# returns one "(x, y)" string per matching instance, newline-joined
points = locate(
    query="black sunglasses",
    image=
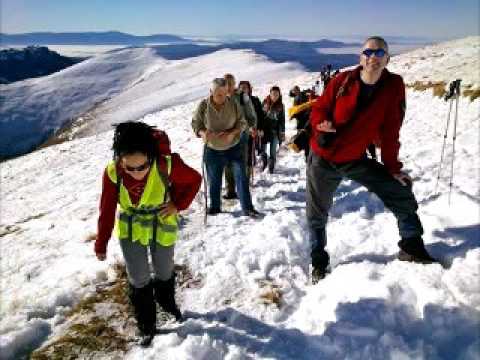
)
(142, 167)
(377, 52)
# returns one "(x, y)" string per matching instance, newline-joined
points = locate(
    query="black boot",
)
(213, 211)
(320, 262)
(165, 296)
(271, 165)
(254, 214)
(145, 312)
(413, 250)
(320, 258)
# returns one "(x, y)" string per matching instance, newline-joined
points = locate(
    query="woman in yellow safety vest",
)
(143, 189)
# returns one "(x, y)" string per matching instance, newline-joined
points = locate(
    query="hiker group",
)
(339, 127)
(234, 126)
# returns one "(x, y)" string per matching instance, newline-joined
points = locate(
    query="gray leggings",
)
(136, 261)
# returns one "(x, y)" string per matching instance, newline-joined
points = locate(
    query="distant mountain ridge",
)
(32, 61)
(305, 53)
(87, 38)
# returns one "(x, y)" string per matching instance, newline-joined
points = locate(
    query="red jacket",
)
(380, 121)
(184, 180)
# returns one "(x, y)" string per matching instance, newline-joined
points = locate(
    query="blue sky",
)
(439, 19)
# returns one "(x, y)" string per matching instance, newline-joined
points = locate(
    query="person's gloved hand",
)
(326, 126)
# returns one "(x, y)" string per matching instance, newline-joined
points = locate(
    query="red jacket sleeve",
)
(184, 183)
(106, 218)
(390, 131)
(322, 109)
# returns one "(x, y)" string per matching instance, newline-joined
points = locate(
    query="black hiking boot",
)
(320, 258)
(254, 214)
(146, 339)
(165, 297)
(230, 196)
(318, 274)
(320, 262)
(145, 312)
(213, 211)
(413, 250)
(271, 165)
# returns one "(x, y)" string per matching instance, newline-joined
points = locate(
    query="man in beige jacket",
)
(219, 121)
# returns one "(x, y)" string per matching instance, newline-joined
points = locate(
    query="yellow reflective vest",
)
(142, 222)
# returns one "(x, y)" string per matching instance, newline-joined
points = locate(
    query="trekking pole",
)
(445, 134)
(453, 93)
(252, 160)
(204, 176)
(457, 91)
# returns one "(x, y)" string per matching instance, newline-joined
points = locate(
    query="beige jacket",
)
(229, 117)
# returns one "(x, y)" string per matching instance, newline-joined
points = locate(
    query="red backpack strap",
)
(163, 142)
(343, 85)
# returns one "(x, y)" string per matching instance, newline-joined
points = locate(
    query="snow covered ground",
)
(456, 59)
(371, 306)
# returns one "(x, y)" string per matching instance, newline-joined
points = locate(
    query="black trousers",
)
(323, 178)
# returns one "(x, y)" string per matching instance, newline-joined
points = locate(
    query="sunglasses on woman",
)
(139, 168)
(377, 52)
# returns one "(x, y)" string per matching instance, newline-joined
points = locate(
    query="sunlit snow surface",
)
(371, 306)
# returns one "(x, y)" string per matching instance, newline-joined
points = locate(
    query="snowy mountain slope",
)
(457, 59)
(182, 81)
(32, 109)
(121, 85)
(371, 306)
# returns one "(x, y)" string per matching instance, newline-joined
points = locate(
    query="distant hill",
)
(32, 61)
(305, 53)
(87, 38)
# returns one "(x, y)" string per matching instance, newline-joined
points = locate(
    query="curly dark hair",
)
(132, 137)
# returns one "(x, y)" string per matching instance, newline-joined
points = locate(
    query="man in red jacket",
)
(360, 107)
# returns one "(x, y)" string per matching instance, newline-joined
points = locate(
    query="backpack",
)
(301, 140)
